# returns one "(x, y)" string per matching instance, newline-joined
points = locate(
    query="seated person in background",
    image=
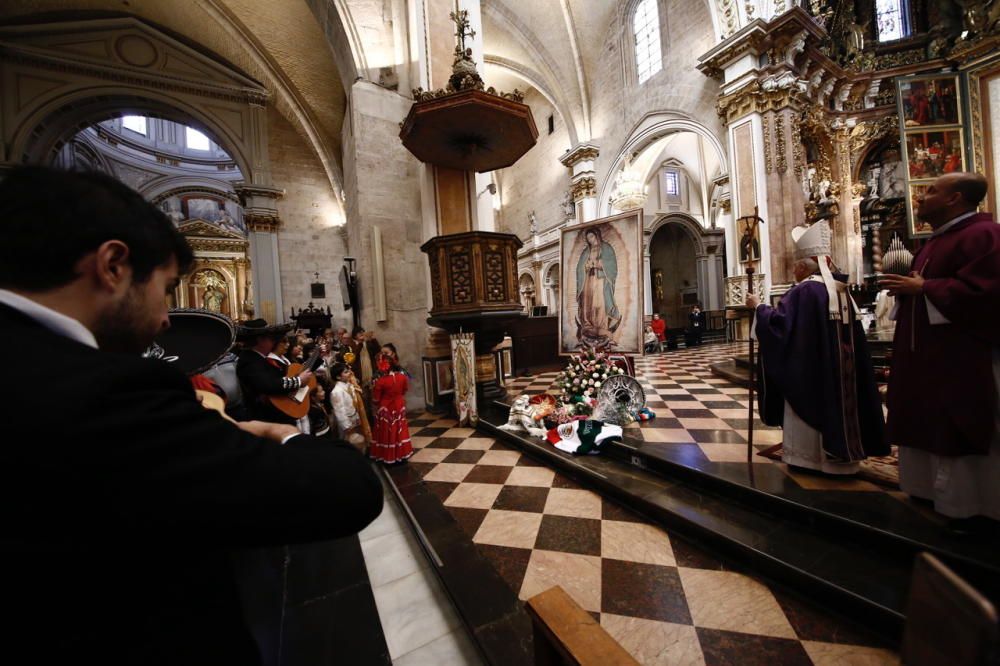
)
(128, 551)
(659, 327)
(349, 408)
(650, 341)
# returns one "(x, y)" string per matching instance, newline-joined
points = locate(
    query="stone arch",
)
(50, 126)
(551, 283)
(651, 128)
(686, 223)
(60, 86)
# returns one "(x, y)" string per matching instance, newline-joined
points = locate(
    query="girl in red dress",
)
(391, 438)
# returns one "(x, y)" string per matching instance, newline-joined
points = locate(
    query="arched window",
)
(195, 140)
(135, 123)
(646, 29)
(892, 20)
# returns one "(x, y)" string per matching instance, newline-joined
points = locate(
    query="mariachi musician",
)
(194, 344)
(262, 377)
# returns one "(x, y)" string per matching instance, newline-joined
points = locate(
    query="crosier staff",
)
(751, 222)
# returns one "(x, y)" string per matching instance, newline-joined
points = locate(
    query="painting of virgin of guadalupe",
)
(602, 305)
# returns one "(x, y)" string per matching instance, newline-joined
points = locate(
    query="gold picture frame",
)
(932, 135)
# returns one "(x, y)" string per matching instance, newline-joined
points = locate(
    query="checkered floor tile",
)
(701, 415)
(665, 600)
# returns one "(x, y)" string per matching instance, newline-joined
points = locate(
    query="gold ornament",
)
(348, 357)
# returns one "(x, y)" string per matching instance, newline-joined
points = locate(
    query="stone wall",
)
(382, 189)
(538, 181)
(312, 236)
(619, 104)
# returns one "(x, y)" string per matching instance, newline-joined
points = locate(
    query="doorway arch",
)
(685, 266)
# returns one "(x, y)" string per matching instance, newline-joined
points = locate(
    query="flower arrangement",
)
(583, 377)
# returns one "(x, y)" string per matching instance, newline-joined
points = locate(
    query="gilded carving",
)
(779, 139)
(768, 167)
(583, 188)
(797, 160)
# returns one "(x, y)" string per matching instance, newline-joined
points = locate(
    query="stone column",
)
(786, 200)
(647, 282)
(583, 180)
(260, 213)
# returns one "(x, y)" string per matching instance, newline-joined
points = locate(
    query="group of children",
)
(367, 412)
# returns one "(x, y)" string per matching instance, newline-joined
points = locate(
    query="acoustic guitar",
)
(296, 405)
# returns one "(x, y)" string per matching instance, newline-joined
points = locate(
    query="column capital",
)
(583, 187)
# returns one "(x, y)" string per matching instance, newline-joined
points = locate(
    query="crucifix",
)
(461, 19)
(751, 222)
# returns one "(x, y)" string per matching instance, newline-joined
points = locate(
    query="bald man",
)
(945, 379)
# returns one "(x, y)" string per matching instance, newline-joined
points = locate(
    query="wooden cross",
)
(461, 20)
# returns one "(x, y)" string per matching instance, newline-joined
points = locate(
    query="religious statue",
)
(532, 223)
(215, 290)
(658, 285)
(597, 316)
(568, 207)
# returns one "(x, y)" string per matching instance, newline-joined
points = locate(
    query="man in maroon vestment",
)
(943, 386)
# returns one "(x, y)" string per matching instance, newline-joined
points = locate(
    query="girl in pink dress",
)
(391, 438)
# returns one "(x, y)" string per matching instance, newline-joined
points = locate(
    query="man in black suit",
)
(262, 373)
(122, 498)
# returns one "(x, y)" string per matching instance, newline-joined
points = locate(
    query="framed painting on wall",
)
(601, 299)
(932, 136)
(929, 100)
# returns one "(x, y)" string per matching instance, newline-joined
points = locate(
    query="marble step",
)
(732, 371)
(873, 515)
(854, 575)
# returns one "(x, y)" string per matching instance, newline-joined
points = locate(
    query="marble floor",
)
(420, 626)
(701, 418)
(664, 599)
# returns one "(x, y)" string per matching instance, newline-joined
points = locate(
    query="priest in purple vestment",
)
(945, 377)
(815, 372)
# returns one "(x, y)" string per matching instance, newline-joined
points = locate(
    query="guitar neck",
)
(307, 364)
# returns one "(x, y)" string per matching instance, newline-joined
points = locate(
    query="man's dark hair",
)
(357, 331)
(972, 187)
(49, 219)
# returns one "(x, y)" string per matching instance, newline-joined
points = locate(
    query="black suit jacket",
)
(259, 379)
(121, 500)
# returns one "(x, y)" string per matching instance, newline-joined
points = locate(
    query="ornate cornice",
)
(581, 153)
(133, 77)
(262, 222)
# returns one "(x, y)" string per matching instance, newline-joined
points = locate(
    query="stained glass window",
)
(646, 28)
(891, 20)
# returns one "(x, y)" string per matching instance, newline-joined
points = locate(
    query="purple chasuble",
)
(942, 395)
(822, 368)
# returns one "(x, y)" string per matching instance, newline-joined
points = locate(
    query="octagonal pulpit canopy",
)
(471, 130)
(473, 273)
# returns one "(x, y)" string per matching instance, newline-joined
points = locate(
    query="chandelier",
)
(629, 191)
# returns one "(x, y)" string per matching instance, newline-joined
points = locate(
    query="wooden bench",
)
(566, 634)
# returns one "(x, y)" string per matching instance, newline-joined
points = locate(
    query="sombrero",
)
(195, 341)
(259, 328)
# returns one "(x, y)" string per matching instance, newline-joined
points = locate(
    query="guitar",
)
(296, 405)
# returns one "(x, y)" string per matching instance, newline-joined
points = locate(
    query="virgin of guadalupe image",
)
(597, 314)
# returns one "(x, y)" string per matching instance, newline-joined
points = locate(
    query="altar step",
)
(839, 554)
(735, 369)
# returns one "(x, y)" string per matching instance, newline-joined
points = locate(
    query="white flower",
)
(590, 382)
(604, 376)
(595, 375)
(597, 384)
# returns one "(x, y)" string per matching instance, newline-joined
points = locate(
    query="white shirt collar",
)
(948, 225)
(56, 322)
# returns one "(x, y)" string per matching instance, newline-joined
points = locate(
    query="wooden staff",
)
(751, 221)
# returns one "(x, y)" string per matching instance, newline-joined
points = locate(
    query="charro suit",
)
(120, 514)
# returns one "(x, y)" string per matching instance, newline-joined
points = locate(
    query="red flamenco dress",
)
(391, 437)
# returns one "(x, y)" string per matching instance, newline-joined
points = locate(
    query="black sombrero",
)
(195, 341)
(258, 328)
